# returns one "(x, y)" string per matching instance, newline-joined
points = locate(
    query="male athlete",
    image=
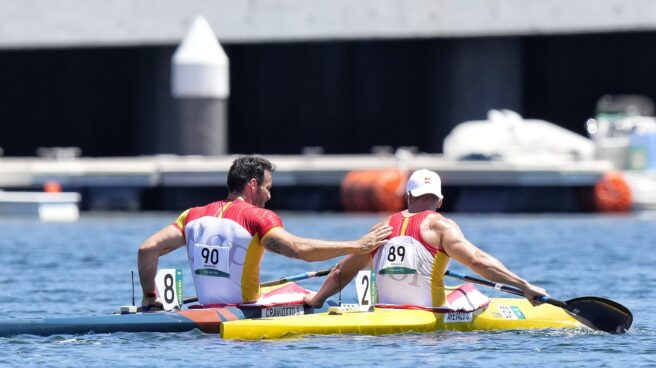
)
(410, 265)
(225, 240)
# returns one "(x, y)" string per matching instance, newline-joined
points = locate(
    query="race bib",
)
(212, 260)
(169, 287)
(398, 259)
(365, 286)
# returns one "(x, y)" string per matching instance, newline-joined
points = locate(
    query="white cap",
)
(424, 182)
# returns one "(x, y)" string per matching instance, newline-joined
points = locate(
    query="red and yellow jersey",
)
(224, 248)
(409, 271)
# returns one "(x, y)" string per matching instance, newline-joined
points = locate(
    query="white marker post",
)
(201, 85)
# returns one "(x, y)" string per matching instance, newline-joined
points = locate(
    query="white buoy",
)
(200, 66)
(200, 82)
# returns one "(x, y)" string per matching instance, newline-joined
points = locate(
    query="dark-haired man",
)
(225, 240)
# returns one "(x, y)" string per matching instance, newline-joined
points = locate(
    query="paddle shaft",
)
(300, 276)
(506, 288)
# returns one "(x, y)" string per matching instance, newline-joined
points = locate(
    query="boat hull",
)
(206, 320)
(500, 314)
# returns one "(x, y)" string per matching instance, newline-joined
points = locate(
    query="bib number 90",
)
(210, 255)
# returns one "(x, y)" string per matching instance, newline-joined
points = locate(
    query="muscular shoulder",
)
(438, 222)
(262, 220)
(435, 229)
(263, 214)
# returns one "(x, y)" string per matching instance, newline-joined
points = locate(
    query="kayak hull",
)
(206, 320)
(277, 300)
(252, 323)
(500, 314)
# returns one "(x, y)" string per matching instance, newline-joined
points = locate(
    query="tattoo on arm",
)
(272, 245)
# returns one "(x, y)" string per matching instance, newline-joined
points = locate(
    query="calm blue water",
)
(84, 268)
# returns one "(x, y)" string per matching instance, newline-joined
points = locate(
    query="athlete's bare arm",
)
(454, 243)
(339, 277)
(342, 274)
(282, 242)
(159, 244)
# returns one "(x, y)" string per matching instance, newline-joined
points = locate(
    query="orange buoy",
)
(52, 187)
(373, 191)
(612, 193)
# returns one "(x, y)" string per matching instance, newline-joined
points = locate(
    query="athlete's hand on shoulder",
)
(532, 292)
(376, 237)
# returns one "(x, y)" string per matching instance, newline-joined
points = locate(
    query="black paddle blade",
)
(600, 314)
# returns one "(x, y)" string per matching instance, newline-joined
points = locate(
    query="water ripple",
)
(85, 270)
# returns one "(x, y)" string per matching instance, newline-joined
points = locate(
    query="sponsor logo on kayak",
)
(518, 312)
(511, 312)
(282, 311)
(455, 317)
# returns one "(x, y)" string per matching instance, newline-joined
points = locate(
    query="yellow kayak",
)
(500, 314)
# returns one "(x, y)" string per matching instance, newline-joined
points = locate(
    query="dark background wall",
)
(566, 75)
(67, 98)
(342, 96)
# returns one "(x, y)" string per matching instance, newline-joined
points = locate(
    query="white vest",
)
(217, 250)
(408, 274)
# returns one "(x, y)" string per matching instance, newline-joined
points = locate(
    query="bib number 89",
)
(395, 251)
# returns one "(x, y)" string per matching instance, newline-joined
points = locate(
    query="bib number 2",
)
(365, 285)
(169, 287)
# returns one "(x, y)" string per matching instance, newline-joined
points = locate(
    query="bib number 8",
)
(169, 287)
(395, 251)
(169, 292)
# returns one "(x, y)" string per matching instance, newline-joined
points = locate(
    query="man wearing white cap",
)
(410, 266)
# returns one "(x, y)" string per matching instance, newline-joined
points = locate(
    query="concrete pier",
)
(292, 170)
(309, 182)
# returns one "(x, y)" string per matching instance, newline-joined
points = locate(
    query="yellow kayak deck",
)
(500, 314)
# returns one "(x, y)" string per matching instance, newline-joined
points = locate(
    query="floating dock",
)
(42, 205)
(98, 178)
